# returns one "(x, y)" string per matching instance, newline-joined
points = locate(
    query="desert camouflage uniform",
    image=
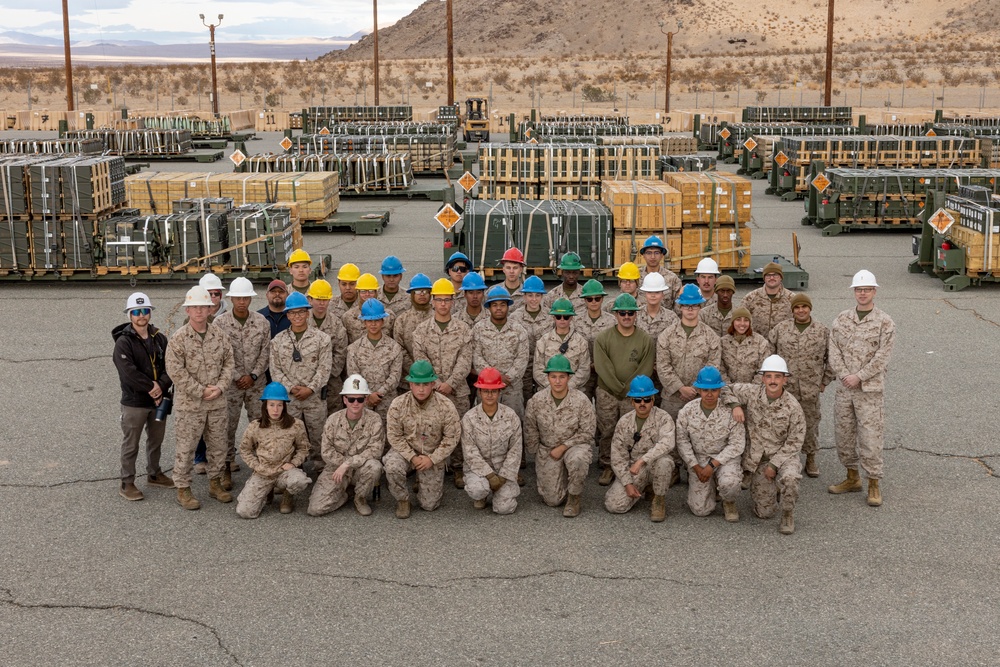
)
(251, 342)
(312, 372)
(536, 328)
(701, 438)
(559, 292)
(862, 348)
(673, 282)
(462, 315)
(505, 350)
(338, 307)
(546, 426)
(679, 357)
(577, 351)
(806, 354)
(432, 429)
(715, 320)
(361, 448)
(742, 359)
(450, 353)
(517, 296)
(777, 430)
(656, 442)
(381, 365)
(766, 312)
(334, 328)
(398, 304)
(356, 327)
(194, 363)
(492, 446)
(654, 326)
(266, 450)
(402, 333)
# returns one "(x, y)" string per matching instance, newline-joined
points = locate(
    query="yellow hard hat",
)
(443, 287)
(320, 289)
(349, 273)
(628, 271)
(300, 255)
(367, 281)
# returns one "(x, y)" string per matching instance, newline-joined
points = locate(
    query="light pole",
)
(69, 62)
(375, 35)
(828, 79)
(451, 56)
(215, 82)
(670, 48)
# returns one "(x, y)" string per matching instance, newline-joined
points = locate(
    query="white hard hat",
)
(708, 265)
(198, 296)
(138, 300)
(654, 282)
(864, 278)
(210, 281)
(774, 364)
(355, 385)
(240, 287)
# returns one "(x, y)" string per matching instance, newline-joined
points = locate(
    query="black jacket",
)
(139, 362)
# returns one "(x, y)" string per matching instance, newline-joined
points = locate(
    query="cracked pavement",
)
(90, 579)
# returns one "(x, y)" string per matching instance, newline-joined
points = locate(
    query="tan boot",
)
(216, 491)
(658, 512)
(572, 508)
(162, 480)
(361, 505)
(849, 485)
(287, 505)
(403, 509)
(874, 493)
(128, 491)
(607, 476)
(732, 512)
(520, 479)
(187, 500)
(812, 470)
(479, 504)
(459, 479)
(227, 479)
(787, 526)
(747, 476)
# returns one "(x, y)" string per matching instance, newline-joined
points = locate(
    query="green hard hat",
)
(557, 363)
(625, 302)
(593, 288)
(421, 372)
(570, 262)
(562, 307)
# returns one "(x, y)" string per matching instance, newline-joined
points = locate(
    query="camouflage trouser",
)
(590, 389)
(701, 495)
(567, 475)
(609, 411)
(462, 405)
(673, 404)
(188, 430)
(250, 503)
(859, 427)
(312, 412)
(657, 473)
(334, 401)
(134, 420)
(810, 408)
(764, 491)
(382, 409)
(327, 495)
(513, 397)
(528, 382)
(504, 500)
(236, 400)
(431, 481)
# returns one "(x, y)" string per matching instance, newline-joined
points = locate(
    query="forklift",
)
(476, 125)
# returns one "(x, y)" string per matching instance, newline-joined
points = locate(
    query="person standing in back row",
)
(771, 303)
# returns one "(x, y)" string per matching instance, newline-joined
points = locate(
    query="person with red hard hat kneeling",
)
(491, 444)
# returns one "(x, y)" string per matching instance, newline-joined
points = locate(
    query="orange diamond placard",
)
(821, 182)
(725, 133)
(931, 133)
(941, 221)
(238, 157)
(468, 181)
(286, 143)
(750, 144)
(325, 130)
(532, 141)
(447, 217)
(781, 159)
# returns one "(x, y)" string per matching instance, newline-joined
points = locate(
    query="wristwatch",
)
(253, 376)
(713, 464)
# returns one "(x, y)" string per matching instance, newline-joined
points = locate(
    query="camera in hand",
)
(165, 407)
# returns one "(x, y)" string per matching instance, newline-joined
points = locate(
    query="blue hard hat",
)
(391, 266)
(641, 387)
(296, 301)
(497, 293)
(690, 296)
(456, 258)
(533, 285)
(653, 242)
(709, 377)
(275, 391)
(372, 309)
(473, 281)
(419, 281)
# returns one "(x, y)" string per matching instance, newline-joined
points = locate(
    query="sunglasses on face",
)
(644, 399)
(624, 313)
(140, 312)
(459, 269)
(561, 317)
(592, 299)
(354, 399)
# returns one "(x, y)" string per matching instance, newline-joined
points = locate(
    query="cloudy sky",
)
(176, 21)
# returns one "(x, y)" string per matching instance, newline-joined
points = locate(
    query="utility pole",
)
(375, 35)
(69, 63)
(670, 48)
(828, 83)
(451, 57)
(215, 81)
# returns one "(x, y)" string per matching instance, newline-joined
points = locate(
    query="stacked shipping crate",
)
(357, 172)
(976, 229)
(428, 152)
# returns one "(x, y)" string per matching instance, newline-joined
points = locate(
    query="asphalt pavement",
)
(88, 578)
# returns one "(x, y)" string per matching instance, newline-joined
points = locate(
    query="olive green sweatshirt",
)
(618, 359)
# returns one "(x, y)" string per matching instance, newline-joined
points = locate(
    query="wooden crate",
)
(982, 254)
(569, 192)
(649, 206)
(626, 163)
(507, 191)
(727, 245)
(711, 197)
(623, 242)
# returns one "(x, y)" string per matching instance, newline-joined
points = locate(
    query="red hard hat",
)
(490, 379)
(513, 255)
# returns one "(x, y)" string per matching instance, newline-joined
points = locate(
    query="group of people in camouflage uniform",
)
(340, 389)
